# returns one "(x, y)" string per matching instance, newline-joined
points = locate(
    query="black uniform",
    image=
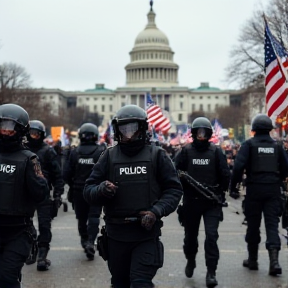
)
(266, 165)
(53, 174)
(146, 180)
(22, 185)
(76, 170)
(207, 166)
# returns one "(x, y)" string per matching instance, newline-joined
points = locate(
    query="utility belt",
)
(11, 220)
(122, 220)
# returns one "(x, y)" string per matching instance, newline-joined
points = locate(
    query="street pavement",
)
(71, 269)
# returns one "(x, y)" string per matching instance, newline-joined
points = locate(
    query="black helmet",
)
(201, 122)
(88, 132)
(38, 125)
(17, 115)
(130, 114)
(261, 122)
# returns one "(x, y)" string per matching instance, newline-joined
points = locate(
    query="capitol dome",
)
(151, 59)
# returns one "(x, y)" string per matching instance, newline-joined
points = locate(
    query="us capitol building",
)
(151, 69)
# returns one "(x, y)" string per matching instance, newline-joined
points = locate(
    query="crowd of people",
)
(194, 179)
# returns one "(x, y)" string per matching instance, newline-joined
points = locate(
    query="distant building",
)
(151, 69)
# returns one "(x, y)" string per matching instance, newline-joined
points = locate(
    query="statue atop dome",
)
(151, 4)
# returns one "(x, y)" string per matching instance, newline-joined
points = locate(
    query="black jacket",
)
(242, 162)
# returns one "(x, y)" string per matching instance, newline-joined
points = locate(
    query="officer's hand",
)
(148, 219)
(234, 194)
(107, 189)
(57, 202)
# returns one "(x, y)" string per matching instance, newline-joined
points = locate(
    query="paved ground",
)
(71, 269)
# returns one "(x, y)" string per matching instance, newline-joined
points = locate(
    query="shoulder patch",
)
(37, 167)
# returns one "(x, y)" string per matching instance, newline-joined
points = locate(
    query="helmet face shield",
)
(7, 127)
(34, 133)
(128, 130)
(202, 134)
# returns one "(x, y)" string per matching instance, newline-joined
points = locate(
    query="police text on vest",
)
(200, 161)
(265, 150)
(133, 170)
(7, 168)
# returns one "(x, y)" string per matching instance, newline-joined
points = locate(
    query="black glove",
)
(148, 219)
(234, 194)
(57, 201)
(107, 189)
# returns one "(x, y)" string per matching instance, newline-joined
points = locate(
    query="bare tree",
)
(247, 57)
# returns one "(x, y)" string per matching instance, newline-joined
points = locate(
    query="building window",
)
(181, 105)
(95, 108)
(111, 99)
(51, 96)
(43, 97)
(192, 97)
(193, 107)
(134, 99)
(201, 107)
(201, 97)
(87, 98)
(179, 117)
(122, 104)
(110, 108)
(209, 97)
(103, 98)
(216, 106)
(216, 97)
(209, 107)
(181, 96)
(95, 98)
(123, 96)
(103, 108)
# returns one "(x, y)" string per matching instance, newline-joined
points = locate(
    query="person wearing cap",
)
(266, 166)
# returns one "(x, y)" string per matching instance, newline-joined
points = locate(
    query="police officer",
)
(53, 174)
(207, 165)
(22, 185)
(138, 185)
(266, 165)
(76, 170)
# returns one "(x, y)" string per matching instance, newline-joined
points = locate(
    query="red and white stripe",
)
(276, 88)
(157, 119)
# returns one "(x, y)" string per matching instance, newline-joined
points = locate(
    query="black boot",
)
(252, 262)
(90, 250)
(84, 241)
(211, 280)
(274, 268)
(190, 266)
(42, 262)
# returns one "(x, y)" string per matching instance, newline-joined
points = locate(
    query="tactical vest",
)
(13, 194)
(264, 159)
(136, 179)
(202, 165)
(87, 156)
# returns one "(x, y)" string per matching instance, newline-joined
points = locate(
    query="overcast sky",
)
(73, 44)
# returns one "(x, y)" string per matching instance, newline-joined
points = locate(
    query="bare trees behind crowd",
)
(247, 65)
(15, 88)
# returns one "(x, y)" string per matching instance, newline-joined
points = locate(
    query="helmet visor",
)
(129, 129)
(35, 134)
(202, 134)
(7, 127)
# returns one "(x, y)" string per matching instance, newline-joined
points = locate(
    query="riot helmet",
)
(130, 124)
(88, 132)
(201, 129)
(262, 122)
(36, 132)
(14, 123)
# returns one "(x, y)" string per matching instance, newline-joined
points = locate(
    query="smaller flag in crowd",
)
(276, 64)
(217, 128)
(155, 116)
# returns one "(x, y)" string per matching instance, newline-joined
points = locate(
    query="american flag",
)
(217, 128)
(155, 116)
(276, 82)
